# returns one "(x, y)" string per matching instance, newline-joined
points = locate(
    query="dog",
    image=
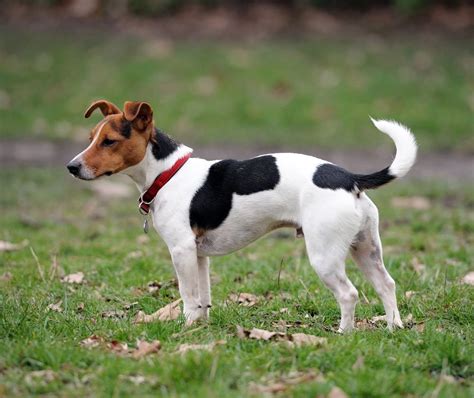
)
(203, 208)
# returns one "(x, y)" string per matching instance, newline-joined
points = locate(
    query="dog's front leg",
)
(204, 285)
(185, 262)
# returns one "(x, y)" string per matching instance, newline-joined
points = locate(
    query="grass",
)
(290, 92)
(63, 218)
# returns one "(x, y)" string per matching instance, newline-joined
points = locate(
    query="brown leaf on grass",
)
(117, 347)
(336, 392)
(113, 314)
(410, 323)
(411, 202)
(285, 382)
(56, 307)
(142, 349)
(167, 313)
(143, 239)
(468, 279)
(153, 287)
(301, 339)
(6, 276)
(40, 377)
(80, 307)
(359, 363)
(129, 306)
(134, 255)
(244, 299)
(409, 294)
(370, 324)
(145, 348)
(184, 348)
(10, 247)
(92, 341)
(261, 334)
(75, 278)
(417, 265)
(293, 340)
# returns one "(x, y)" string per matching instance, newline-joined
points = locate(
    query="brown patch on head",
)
(119, 140)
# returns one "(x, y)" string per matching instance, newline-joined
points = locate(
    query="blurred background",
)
(235, 79)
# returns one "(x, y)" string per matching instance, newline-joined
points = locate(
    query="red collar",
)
(148, 196)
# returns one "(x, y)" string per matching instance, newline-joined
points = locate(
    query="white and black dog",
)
(205, 208)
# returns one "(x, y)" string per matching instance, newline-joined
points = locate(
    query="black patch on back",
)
(334, 177)
(212, 203)
(162, 145)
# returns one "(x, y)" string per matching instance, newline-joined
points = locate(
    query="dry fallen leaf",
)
(336, 392)
(80, 307)
(261, 334)
(167, 313)
(76, 278)
(468, 279)
(117, 347)
(244, 299)
(293, 340)
(113, 314)
(359, 363)
(409, 294)
(56, 307)
(6, 276)
(285, 382)
(417, 265)
(92, 341)
(40, 377)
(184, 348)
(370, 324)
(134, 255)
(153, 286)
(300, 339)
(411, 202)
(145, 348)
(143, 239)
(9, 247)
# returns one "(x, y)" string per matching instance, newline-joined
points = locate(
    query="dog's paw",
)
(192, 315)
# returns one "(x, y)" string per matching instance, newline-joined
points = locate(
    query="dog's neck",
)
(161, 154)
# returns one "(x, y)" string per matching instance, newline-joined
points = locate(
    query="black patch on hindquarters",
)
(212, 203)
(162, 145)
(334, 177)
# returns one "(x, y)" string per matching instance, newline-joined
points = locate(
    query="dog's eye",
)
(108, 142)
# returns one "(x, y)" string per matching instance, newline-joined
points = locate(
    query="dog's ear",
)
(140, 113)
(106, 107)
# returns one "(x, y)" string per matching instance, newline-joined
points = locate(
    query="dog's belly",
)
(225, 240)
(251, 217)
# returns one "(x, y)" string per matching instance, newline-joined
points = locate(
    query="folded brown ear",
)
(138, 112)
(106, 107)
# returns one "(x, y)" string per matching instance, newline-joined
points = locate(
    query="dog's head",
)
(117, 142)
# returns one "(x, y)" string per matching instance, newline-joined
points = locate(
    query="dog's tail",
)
(404, 159)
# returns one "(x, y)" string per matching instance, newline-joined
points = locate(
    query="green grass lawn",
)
(289, 92)
(63, 219)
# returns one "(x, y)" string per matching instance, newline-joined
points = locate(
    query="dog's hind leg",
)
(367, 253)
(328, 234)
(204, 285)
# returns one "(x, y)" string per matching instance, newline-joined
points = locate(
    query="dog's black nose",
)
(74, 168)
